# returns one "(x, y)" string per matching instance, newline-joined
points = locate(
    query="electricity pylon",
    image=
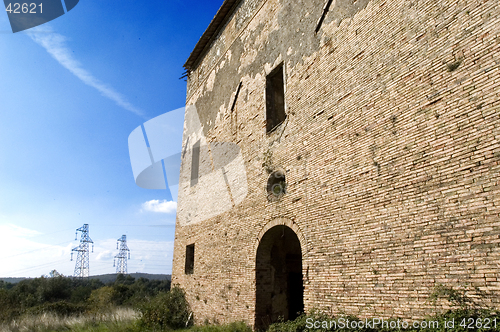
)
(121, 267)
(82, 260)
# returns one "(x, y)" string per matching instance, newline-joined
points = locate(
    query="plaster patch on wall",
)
(343, 9)
(268, 67)
(247, 58)
(219, 120)
(210, 81)
(263, 16)
(260, 34)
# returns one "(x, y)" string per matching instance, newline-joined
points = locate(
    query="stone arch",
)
(285, 222)
(278, 274)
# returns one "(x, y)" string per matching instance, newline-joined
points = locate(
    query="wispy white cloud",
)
(9, 230)
(25, 256)
(55, 44)
(104, 256)
(160, 206)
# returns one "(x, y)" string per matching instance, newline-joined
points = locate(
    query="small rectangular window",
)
(275, 99)
(189, 268)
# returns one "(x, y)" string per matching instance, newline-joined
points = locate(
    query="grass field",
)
(118, 320)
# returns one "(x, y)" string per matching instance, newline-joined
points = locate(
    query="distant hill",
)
(105, 278)
(13, 280)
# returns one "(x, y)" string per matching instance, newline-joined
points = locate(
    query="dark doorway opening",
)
(278, 273)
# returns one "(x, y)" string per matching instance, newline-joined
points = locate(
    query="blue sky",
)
(71, 91)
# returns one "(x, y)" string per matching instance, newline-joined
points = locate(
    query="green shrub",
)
(102, 299)
(299, 324)
(167, 310)
(80, 294)
(7, 309)
(143, 290)
(232, 327)
(54, 289)
(61, 308)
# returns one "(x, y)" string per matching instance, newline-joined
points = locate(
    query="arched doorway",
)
(278, 274)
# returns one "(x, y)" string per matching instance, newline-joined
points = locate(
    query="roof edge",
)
(227, 8)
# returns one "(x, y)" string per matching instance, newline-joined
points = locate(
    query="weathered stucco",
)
(262, 41)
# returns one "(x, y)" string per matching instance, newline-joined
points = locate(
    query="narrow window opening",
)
(275, 99)
(236, 96)
(234, 113)
(189, 267)
(322, 18)
(195, 163)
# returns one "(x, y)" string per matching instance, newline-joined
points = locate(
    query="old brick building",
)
(368, 135)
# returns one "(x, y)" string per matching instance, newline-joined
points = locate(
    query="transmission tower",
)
(121, 267)
(82, 260)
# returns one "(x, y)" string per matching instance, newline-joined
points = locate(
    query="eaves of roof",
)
(224, 12)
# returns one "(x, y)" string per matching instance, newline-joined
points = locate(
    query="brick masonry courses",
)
(391, 150)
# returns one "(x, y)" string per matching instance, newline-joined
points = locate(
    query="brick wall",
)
(391, 150)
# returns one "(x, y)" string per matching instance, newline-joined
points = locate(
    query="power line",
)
(35, 267)
(34, 250)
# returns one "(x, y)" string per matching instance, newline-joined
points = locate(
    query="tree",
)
(54, 274)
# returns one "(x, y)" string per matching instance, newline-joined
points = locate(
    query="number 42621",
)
(18, 8)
